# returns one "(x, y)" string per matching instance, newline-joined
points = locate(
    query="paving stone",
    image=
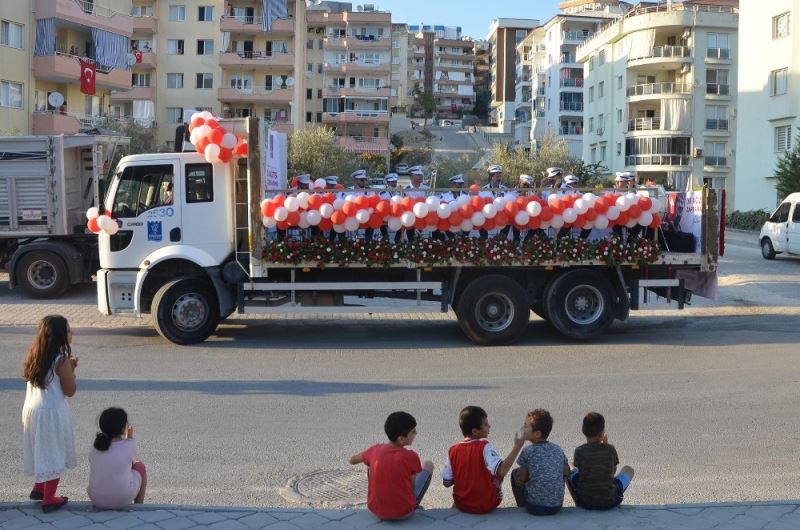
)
(257, 520)
(154, 516)
(102, 516)
(362, 519)
(20, 522)
(147, 526)
(176, 523)
(282, 525)
(7, 515)
(73, 521)
(207, 518)
(286, 516)
(309, 520)
(228, 524)
(41, 526)
(334, 515)
(466, 519)
(123, 522)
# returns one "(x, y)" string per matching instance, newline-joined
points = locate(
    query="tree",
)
(481, 108)
(787, 172)
(314, 150)
(447, 167)
(425, 101)
(143, 139)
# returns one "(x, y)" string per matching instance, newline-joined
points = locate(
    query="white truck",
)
(46, 185)
(192, 262)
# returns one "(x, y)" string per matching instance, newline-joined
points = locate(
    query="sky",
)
(474, 16)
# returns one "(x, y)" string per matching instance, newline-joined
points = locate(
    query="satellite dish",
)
(55, 99)
(290, 81)
(131, 59)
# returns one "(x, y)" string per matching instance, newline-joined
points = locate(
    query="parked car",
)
(401, 168)
(781, 232)
(377, 182)
(447, 123)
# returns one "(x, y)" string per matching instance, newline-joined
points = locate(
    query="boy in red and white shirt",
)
(474, 468)
(396, 479)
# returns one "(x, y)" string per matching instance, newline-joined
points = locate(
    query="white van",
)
(781, 232)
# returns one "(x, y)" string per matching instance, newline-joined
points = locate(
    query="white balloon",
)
(490, 210)
(632, 198)
(657, 205)
(552, 198)
(631, 223)
(314, 217)
(396, 199)
(362, 216)
(92, 213)
(533, 208)
(228, 141)
(212, 153)
(590, 198)
(408, 219)
(194, 136)
(478, 219)
(601, 222)
(466, 225)
(338, 203)
(320, 184)
(302, 199)
(612, 213)
(522, 217)
(339, 229)
(544, 225)
(206, 115)
(443, 211)
(645, 219)
(432, 202)
(351, 224)
(104, 222)
(588, 225)
(281, 213)
(420, 209)
(569, 215)
(622, 204)
(498, 203)
(268, 222)
(557, 221)
(462, 200)
(326, 210)
(197, 114)
(203, 131)
(291, 204)
(581, 206)
(303, 223)
(394, 224)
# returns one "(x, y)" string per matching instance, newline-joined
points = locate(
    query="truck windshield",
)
(141, 188)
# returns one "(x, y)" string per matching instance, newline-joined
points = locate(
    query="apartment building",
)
(549, 93)
(443, 63)
(769, 97)
(17, 84)
(402, 58)
(660, 94)
(503, 37)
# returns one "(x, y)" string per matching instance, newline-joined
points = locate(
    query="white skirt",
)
(48, 445)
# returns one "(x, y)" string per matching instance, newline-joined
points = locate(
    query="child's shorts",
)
(621, 480)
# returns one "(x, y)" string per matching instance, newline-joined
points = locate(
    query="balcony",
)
(644, 124)
(259, 94)
(715, 89)
(566, 130)
(244, 25)
(658, 89)
(657, 160)
(663, 54)
(148, 61)
(145, 25)
(357, 116)
(357, 67)
(54, 123)
(570, 82)
(256, 59)
(367, 42)
(140, 93)
(571, 106)
(64, 68)
(338, 92)
(85, 13)
(716, 125)
(577, 37)
(364, 144)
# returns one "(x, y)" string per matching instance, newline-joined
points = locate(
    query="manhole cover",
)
(328, 488)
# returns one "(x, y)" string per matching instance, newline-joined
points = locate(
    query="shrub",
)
(751, 220)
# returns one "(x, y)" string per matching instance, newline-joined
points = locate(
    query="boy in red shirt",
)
(396, 480)
(474, 468)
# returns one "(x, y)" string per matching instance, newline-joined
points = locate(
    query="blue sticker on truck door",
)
(154, 232)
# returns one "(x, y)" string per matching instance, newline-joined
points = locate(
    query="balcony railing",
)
(650, 89)
(666, 52)
(90, 7)
(571, 82)
(540, 91)
(718, 53)
(657, 160)
(576, 106)
(715, 161)
(568, 58)
(567, 130)
(257, 54)
(644, 124)
(245, 20)
(716, 89)
(716, 125)
(577, 35)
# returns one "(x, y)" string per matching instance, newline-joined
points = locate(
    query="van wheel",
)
(493, 310)
(42, 274)
(580, 304)
(185, 311)
(767, 250)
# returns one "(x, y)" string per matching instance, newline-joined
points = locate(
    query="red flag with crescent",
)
(138, 56)
(87, 77)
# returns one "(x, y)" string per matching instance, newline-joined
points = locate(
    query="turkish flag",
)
(87, 77)
(138, 56)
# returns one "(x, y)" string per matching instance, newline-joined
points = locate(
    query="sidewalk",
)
(779, 515)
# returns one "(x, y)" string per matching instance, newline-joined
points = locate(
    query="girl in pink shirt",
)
(116, 478)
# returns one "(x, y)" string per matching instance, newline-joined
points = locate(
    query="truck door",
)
(144, 199)
(794, 230)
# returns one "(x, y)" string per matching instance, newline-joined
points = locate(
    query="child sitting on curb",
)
(592, 483)
(396, 479)
(538, 484)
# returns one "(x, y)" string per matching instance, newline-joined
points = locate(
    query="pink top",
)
(113, 484)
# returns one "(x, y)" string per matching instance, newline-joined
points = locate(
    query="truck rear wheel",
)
(580, 304)
(493, 310)
(42, 274)
(185, 311)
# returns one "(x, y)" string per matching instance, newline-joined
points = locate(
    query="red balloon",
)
(443, 225)
(315, 201)
(534, 223)
(375, 221)
(420, 223)
(634, 211)
(278, 199)
(201, 145)
(338, 217)
(546, 213)
(622, 219)
(293, 218)
(362, 201)
(511, 209)
(455, 219)
(383, 208)
(282, 225)
(522, 202)
(432, 218)
(591, 214)
(374, 200)
(265, 209)
(397, 210)
(601, 206)
(330, 198)
(225, 155)
(350, 209)
(197, 121)
(407, 203)
(325, 224)
(501, 219)
(93, 226)
(476, 203)
(475, 187)
(241, 148)
(339, 186)
(214, 124)
(645, 203)
(216, 135)
(465, 210)
(580, 220)
(490, 224)
(656, 221)
(557, 205)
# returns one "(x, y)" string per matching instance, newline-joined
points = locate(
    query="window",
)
(205, 46)
(601, 58)
(177, 13)
(619, 148)
(320, 67)
(309, 117)
(310, 68)
(174, 114)
(619, 115)
(594, 155)
(779, 82)
(319, 93)
(781, 215)
(602, 153)
(591, 124)
(619, 82)
(243, 83)
(591, 63)
(319, 117)
(601, 89)
(142, 188)
(199, 183)
(714, 154)
(780, 26)
(174, 46)
(600, 122)
(140, 80)
(205, 13)
(11, 34)
(717, 47)
(320, 43)
(796, 214)
(10, 94)
(783, 138)
(309, 93)
(717, 82)
(591, 93)
(717, 117)
(310, 44)
(174, 80)
(204, 81)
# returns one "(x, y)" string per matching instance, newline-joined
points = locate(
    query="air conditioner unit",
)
(698, 152)
(369, 7)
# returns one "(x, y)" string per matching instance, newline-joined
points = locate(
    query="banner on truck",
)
(274, 159)
(685, 214)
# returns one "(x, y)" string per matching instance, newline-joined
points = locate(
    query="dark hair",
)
(399, 424)
(593, 424)
(471, 417)
(52, 339)
(541, 421)
(113, 422)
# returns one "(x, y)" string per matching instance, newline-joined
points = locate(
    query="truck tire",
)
(580, 304)
(185, 311)
(767, 250)
(493, 310)
(42, 274)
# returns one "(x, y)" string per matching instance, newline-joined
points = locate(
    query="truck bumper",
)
(115, 291)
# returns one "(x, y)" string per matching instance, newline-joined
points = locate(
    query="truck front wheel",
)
(580, 304)
(42, 274)
(493, 310)
(185, 311)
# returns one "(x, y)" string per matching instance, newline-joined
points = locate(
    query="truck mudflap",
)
(103, 305)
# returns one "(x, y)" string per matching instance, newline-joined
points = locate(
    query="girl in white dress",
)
(48, 446)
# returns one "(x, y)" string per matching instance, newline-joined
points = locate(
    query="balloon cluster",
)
(214, 141)
(101, 223)
(330, 211)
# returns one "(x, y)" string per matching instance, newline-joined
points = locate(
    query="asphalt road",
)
(702, 403)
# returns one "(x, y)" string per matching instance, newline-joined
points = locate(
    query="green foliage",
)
(481, 108)
(447, 167)
(314, 150)
(413, 156)
(397, 141)
(551, 151)
(143, 139)
(425, 101)
(787, 172)
(751, 220)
